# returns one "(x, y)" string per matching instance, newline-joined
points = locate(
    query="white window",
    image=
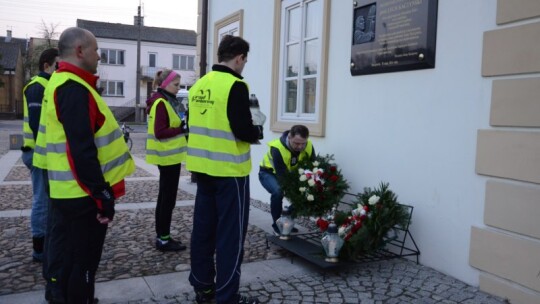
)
(183, 62)
(110, 56)
(229, 25)
(112, 88)
(152, 58)
(301, 74)
(232, 29)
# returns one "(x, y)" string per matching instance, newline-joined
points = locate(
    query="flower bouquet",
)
(365, 226)
(314, 187)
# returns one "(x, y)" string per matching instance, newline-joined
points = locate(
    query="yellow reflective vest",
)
(39, 159)
(112, 151)
(212, 147)
(167, 151)
(268, 161)
(28, 135)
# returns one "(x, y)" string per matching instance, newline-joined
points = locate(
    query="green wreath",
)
(314, 187)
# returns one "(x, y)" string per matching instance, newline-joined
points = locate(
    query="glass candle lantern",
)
(332, 243)
(285, 224)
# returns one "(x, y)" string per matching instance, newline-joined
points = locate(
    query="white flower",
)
(362, 212)
(303, 178)
(311, 182)
(300, 171)
(373, 200)
(302, 189)
(315, 163)
(341, 231)
(310, 198)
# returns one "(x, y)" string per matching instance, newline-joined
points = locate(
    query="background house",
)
(12, 52)
(160, 48)
(459, 142)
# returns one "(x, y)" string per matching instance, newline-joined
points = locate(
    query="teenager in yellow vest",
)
(283, 155)
(87, 161)
(166, 148)
(220, 133)
(33, 99)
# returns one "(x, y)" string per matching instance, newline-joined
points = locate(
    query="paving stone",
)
(129, 252)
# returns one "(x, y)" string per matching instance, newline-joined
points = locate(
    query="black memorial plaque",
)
(393, 35)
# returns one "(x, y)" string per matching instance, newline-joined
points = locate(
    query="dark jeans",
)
(74, 248)
(219, 226)
(269, 182)
(169, 177)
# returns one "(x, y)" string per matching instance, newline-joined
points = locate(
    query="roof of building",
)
(10, 53)
(20, 42)
(129, 32)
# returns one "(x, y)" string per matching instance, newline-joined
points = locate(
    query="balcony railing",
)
(150, 72)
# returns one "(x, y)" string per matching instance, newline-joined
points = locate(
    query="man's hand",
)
(261, 131)
(106, 211)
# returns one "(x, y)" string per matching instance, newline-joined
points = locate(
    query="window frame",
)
(187, 63)
(117, 57)
(232, 21)
(279, 120)
(107, 85)
(155, 59)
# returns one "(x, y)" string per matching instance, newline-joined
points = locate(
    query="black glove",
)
(106, 196)
(261, 133)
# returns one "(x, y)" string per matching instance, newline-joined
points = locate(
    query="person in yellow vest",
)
(166, 148)
(32, 99)
(220, 133)
(283, 155)
(87, 160)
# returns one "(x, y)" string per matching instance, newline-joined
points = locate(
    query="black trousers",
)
(169, 177)
(74, 249)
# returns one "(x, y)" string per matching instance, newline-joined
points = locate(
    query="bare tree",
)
(47, 40)
(49, 32)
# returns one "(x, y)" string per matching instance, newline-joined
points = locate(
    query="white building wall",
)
(414, 129)
(128, 71)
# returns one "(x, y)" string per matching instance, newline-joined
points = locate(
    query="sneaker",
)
(276, 230)
(205, 296)
(247, 300)
(170, 245)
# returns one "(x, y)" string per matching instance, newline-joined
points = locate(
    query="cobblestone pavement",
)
(129, 253)
(389, 282)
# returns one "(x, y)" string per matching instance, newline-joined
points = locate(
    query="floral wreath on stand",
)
(315, 187)
(365, 226)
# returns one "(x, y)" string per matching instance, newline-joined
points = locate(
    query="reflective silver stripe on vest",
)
(104, 140)
(212, 133)
(60, 175)
(42, 128)
(40, 150)
(68, 176)
(25, 119)
(219, 156)
(271, 159)
(100, 142)
(167, 153)
(29, 136)
(119, 161)
(56, 148)
(152, 137)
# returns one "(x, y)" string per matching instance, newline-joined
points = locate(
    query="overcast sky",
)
(24, 17)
